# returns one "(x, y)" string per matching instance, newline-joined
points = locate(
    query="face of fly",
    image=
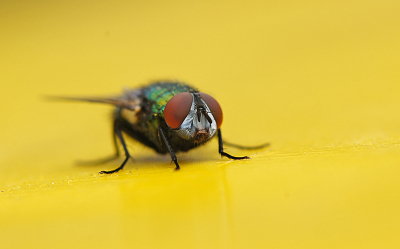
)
(193, 116)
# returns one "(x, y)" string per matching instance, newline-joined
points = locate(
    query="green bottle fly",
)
(166, 116)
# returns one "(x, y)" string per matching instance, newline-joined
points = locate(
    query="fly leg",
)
(118, 133)
(246, 147)
(169, 147)
(221, 149)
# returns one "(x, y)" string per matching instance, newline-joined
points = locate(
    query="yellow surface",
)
(317, 79)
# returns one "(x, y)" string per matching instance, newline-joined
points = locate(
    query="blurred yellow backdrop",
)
(317, 79)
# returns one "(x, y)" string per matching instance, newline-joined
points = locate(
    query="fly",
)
(166, 116)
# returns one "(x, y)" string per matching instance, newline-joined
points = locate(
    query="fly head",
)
(193, 116)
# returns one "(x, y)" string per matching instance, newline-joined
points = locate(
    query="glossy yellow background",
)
(317, 79)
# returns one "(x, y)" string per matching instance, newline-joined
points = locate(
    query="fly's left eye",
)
(177, 108)
(215, 108)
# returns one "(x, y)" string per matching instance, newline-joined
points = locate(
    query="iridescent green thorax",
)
(160, 93)
(145, 122)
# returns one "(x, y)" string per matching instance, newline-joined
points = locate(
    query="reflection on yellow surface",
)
(319, 80)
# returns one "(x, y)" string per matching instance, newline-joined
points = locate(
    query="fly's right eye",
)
(177, 108)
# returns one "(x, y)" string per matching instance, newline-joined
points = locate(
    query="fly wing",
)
(129, 103)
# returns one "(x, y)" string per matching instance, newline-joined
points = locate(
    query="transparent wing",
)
(131, 103)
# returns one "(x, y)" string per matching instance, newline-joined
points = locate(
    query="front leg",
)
(169, 147)
(221, 149)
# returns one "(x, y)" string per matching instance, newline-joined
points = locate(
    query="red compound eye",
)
(215, 108)
(177, 109)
